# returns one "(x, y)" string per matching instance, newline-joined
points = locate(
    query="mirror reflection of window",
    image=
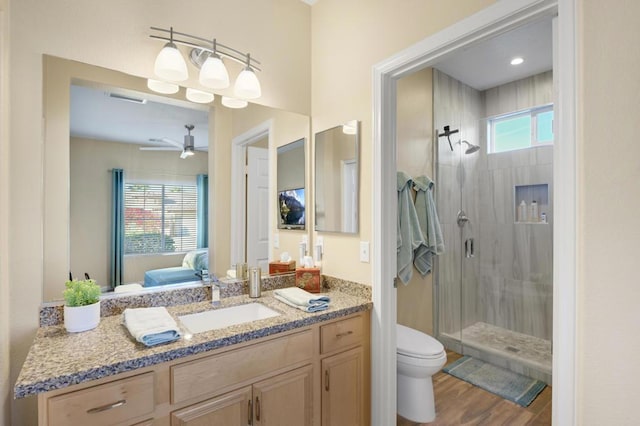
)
(336, 179)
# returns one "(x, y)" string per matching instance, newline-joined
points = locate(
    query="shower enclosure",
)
(494, 281)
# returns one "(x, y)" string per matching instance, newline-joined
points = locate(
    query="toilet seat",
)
(415, 344)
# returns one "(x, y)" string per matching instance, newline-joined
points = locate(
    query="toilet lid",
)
(417, 344)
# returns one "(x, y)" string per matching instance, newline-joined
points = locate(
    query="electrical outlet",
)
(276, 240)
(364, 251)
(320, 242)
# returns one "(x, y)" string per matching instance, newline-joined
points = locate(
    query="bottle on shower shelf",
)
(522, 212)
(534, 212)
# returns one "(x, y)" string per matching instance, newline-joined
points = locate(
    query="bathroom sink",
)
(225, 317)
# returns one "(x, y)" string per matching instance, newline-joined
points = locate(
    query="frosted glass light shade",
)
(350, 127)
(162, 87)
(198, 96)
(213, 73)
(170, 64)
(233, 102)
(247, 85)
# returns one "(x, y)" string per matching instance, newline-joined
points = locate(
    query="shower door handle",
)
(462, 218)
(468, 248)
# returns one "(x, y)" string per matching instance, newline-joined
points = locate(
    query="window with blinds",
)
(159, 218)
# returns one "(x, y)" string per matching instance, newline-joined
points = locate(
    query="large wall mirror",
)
(176, 207)
(291, 185)
(336, 178)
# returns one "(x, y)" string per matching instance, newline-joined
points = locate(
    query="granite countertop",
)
(58, 359)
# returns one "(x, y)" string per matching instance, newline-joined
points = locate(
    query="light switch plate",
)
(364, 251)
(305, 239)
(276, 240)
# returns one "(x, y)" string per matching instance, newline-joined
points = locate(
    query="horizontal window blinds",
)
(160, 218)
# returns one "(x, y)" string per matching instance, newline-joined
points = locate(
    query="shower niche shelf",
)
(530, 193)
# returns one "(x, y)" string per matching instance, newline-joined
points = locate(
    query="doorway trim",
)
(239, 146)
(493, 20)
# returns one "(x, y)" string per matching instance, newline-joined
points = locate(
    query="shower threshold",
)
(505, 348)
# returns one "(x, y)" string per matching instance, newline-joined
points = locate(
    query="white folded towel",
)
(301, 299)
(151, 326)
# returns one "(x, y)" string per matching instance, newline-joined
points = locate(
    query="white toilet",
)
(419, 356)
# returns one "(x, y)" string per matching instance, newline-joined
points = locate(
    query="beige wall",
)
(415, 157)
(608, 235)
(348, 38)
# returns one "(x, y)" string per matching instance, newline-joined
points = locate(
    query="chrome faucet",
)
(216, 286)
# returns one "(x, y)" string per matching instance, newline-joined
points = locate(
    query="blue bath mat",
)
(509, 385)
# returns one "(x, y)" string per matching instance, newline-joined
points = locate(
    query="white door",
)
(257, 215)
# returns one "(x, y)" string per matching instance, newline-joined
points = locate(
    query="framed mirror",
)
(336, 178)
(291, 185)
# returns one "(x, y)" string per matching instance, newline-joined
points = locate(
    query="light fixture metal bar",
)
(228, 54)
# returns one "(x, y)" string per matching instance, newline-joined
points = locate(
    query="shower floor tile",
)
(529, 350)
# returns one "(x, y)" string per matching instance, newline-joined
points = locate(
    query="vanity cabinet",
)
(343, 372)
(283, 400)
(315, 375)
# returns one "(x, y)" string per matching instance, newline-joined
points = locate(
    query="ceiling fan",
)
(187, 148)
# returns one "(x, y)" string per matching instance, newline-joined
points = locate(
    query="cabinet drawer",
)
(341, 334)
(208, 375)
(105, 404)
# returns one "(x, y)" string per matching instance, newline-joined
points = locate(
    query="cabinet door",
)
(284, 400)
(342, 389)
(230, 409)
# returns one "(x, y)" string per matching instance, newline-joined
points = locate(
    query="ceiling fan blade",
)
(159, 148)
(167, 141)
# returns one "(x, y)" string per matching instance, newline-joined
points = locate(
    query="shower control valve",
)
(462, 218)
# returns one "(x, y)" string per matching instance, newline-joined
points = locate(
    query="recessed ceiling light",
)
(517, 60)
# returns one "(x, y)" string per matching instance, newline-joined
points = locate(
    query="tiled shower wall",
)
(508, 283)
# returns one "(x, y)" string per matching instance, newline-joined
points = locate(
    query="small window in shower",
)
(521, 129)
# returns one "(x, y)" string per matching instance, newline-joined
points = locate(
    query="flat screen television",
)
(291, 209)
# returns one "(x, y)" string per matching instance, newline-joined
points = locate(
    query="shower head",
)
(472, 148)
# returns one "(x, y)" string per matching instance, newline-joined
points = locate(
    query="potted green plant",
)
(82, 305)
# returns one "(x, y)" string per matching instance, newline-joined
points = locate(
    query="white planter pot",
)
(81, 318)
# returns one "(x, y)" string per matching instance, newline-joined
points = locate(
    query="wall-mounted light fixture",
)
(207, 55)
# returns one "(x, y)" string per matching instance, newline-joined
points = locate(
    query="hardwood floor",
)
(460, 403)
